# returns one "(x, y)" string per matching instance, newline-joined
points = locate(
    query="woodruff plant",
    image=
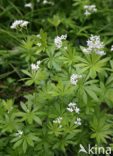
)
(56, 109)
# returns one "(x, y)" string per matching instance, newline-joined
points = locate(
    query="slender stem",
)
(15, 70)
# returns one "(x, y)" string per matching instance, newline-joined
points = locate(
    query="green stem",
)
(15, 70)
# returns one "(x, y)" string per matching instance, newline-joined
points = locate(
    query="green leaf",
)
(26, 72)
(91, 94)
(55, 21)
(15, 139)
(2, 76)
(23, 106)
(84, 97)
(29, 141)
(37, 119)
(24, 146)
(100, 129)
(29, 82)
(18, 143)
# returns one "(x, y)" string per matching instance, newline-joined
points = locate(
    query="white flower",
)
(86, 51)
(38, 44)
(100, 53)
(15, 24)
(94, 42)
(29, 5)
(24, 23)
(87, 13)
(112, 48)
(58, 40)
(74, 78)
(77, 110)
(85, 6)
(38, 62)
(70, 109)
(35, 66)
(74, 81)
(89, 9)
(19, 132)
(46, 2)
(75, 122)
(58, 120)
(72, 104)
(94, 45)
(64, 37)
(55, 121)
(93, 8)
(78, 122)
(52, 3)
(38, 36)
(19, 23)
(65, 48)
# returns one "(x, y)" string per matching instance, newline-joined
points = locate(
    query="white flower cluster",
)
(112, 48)
(58, 40)
(47, 2)
(29, 5)
(94, 44)
(74, 78)
(89, 9)
(19, 23)
(72, 108)
(35, 66)
(58, 121)
(78, 122)
(38, 44)
(19, 132)
(38, 35)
